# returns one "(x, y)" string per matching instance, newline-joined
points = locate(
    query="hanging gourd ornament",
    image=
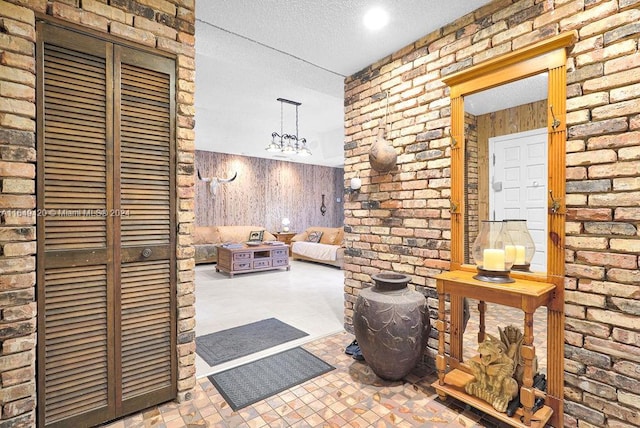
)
(382, 155)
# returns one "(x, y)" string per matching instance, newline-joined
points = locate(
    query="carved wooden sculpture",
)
(494, 382)
(512, 337)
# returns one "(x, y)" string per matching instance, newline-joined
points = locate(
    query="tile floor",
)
(349, 396)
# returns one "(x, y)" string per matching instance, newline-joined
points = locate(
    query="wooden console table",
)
(252, 258)
(522, 294)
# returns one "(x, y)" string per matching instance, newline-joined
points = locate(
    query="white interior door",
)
(518, 188)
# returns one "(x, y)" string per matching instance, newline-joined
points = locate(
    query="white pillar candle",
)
(510, 253)
(493, 259)
(519, 258)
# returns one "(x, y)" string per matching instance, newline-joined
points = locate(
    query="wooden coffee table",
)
(250, 258)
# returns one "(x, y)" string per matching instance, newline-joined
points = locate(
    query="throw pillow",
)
(330, 238)
(314, 237)
(256, 235)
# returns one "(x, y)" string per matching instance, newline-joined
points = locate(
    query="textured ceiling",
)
(250, 52)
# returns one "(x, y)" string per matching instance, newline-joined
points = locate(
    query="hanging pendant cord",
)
(386, 112)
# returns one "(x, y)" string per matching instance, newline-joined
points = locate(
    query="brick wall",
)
(169, 26)
(400, 220)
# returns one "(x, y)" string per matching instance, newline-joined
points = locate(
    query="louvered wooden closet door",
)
(146, 185)
(106, 283)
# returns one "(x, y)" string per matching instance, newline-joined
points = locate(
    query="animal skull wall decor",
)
(214, 182)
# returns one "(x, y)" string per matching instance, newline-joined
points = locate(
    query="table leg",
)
(528, 352)
(482, 308)
(456, 327)
(441, 362)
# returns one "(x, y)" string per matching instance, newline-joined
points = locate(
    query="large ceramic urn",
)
(391, 324)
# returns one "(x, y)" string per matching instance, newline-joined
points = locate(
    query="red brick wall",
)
(400, 220)
(169, 26)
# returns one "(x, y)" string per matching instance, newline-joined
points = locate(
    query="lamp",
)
(523, 246)
(285, 224)
(288, 143)
(355, 184)
(493, 261)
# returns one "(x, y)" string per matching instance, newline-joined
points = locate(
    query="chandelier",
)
(287, 143)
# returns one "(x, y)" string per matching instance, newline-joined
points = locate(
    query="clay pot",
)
(391, 324)
(382, 156)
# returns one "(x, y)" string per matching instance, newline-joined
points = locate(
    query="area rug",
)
(252, 382)
(227, 345)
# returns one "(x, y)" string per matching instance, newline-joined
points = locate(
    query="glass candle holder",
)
(522, 246)
(490, 254)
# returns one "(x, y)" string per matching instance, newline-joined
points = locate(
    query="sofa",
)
(329, 250)
(207, 238)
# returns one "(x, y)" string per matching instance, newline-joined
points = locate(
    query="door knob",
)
(146, 252)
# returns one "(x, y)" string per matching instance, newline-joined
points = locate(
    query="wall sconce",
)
(354, 185)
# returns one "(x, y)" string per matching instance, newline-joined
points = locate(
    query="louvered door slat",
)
(60, 95)
(133, 125)
(75, 118)
(151, 163)
(70, 144)
(92, 111)
(77, 158)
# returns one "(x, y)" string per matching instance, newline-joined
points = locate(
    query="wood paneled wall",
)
(265, 191)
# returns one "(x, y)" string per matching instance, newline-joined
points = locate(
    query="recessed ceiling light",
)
(376, 18)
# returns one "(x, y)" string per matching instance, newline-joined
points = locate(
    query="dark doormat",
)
(227, 345)
(252, 382)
